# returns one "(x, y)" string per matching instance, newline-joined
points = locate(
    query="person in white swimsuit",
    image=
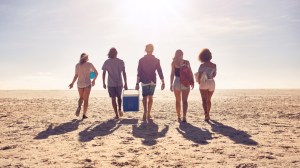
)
(207, 71)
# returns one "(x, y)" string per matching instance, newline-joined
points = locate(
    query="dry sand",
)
(250, 128)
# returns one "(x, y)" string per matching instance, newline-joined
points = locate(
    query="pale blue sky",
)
(255, 43)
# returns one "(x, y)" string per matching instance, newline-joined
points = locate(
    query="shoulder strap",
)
(186, 63)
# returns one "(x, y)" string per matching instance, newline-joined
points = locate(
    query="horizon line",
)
(157, 90)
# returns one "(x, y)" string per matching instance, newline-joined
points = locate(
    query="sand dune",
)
(249, 128)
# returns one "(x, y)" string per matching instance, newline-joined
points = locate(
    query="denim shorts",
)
(148, 90)
(177, 85)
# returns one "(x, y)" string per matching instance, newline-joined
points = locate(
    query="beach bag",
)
(186, 75)
(203, 78)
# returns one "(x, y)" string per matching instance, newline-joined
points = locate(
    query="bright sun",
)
(149, 11)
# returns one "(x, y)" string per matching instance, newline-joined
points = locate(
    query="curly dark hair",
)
(205, 55)
(112, 53)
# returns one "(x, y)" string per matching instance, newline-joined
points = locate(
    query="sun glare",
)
(148, 11)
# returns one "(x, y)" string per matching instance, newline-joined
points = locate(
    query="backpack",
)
(186, 75)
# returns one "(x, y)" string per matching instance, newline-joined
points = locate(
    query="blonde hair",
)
(149, 48)
(178, 54)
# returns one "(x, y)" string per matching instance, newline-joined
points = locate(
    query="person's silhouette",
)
(238, 136)
(58, 130)
(149, 132)
(102, 129)
(194, 134)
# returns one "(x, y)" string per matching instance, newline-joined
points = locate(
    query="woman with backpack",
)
(207, 71)
(184, 79)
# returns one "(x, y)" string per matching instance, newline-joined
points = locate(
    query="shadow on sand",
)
(194, 134)
(128, 122)
(60, 129)
(238, 136)
(149, 132)
(102, 129)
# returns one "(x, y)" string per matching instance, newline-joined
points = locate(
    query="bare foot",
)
(149, 116)
(207, 118)
(184, 119)
(84, 117)
(120, 113)
(144, 117)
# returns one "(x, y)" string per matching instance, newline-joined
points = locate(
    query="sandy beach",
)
(249, 128)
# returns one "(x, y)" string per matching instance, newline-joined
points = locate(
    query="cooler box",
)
(131, 100)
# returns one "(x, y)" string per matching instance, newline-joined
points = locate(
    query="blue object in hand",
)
(92, 75)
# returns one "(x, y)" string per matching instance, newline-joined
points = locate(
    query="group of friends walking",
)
(181, 80)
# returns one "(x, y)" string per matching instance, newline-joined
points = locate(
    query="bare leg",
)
(86, 95)
(177, 94)
(120, 106)
(114, 104)
(145, 107)
(204, 95)
(209, 101)
(185, 95)
(80, 101)
(150, 102)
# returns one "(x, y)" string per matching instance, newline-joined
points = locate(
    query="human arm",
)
(162, 84)
(161, 76)
(200, 70)
(192, 82)
(139, 71)
(137, 87)
(75, 77)
(74, 80)
(172, 76)
(215, 73)
(103, 78)
(125, 79)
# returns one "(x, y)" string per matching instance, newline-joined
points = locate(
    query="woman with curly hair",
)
(207, 71)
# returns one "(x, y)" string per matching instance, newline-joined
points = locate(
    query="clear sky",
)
(255, 43)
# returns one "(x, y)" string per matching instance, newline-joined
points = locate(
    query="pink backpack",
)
(186, 75)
